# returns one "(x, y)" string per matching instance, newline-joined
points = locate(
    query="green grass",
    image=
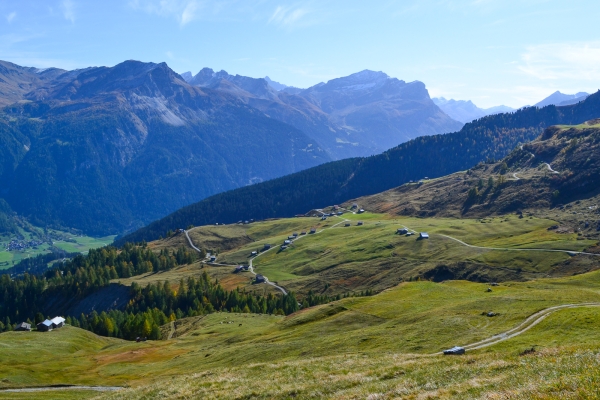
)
(63, 356)
(71, 394)
(347, 349)
(84, 243)
(76, 243)
(352, 258)
(567, 373)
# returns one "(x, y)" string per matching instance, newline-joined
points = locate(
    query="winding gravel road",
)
(523, 327)
(57, 388)
(251, 267)
(191, 243)
(570, 252)
(550, 169)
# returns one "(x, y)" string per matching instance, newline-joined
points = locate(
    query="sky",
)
(511, 52)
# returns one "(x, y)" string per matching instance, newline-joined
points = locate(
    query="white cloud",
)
(185, 11)
(68, 8)
(288, 16)
(11, 16)
(189, 12)
(570, 61)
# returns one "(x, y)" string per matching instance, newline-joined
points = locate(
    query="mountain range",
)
(485, 140)
(465, 111)
(560, 99)
(358, 115)
(109, 149)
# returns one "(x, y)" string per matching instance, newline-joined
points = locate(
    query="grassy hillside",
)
(555, 176)
(341, 260)
(351, 348)
(489, 138)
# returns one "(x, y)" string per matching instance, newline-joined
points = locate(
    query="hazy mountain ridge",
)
(361, 114)
(465, 111)
(108, 149)
(560, 99)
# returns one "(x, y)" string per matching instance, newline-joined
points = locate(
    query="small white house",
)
(58, 322)
(423, 235)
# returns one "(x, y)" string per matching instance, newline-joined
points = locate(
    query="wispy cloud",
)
(185, 11)
(68, 9)
(11, 16)
(289, 16)
(574, 61)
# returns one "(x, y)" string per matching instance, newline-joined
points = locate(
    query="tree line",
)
(26, 298)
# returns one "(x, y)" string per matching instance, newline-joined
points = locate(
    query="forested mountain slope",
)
(489, 138)
(560, 170)
(105, 150)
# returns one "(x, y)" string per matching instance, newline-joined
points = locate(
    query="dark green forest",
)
(489, 138)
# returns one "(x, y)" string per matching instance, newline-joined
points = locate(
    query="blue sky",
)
(512, 52)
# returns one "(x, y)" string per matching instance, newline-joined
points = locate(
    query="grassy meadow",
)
(68, 242)
(352, 348)
(379, 346)
(345, 259)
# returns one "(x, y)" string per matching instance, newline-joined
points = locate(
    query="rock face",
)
(110, 149)
(358, 115)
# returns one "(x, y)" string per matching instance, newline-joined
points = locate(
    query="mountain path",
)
(523, 327)
(172, 330)
(59, 388)
(251, 267)
(570, 252)
(550, 169)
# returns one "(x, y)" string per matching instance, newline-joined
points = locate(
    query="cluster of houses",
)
(16, 245)
(406, 232)
(359, 223)
(332, 214)
(420, 181)
(44, 326)
(241, 268)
